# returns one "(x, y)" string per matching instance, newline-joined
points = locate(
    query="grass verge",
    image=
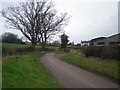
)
(107, 68)
(25, 71)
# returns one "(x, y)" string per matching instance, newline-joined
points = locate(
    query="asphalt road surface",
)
(70, 76)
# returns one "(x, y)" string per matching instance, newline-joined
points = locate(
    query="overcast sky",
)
(89, 18)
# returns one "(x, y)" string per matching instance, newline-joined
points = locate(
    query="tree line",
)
(8, 37)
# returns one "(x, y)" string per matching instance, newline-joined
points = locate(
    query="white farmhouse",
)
(84, 43)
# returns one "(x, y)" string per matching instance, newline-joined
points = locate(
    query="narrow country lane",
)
(70, 76)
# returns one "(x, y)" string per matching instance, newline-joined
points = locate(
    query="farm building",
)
(112, 40)
(100, 41)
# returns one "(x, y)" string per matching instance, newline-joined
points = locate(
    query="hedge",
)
(15, 51)
(105, 52)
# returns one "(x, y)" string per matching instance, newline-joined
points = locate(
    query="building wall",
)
(114, 39)
(99, 41)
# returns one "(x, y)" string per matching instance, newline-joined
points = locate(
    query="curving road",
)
(70, 76)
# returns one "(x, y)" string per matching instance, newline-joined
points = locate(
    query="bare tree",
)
(38, 21)
(52, 25)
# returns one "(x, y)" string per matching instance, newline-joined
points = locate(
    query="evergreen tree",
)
(64, 40)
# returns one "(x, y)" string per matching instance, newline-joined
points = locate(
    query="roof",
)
(99, 38)
(84, 41)
(114, 35)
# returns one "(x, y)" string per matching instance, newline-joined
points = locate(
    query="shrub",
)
(105, 52)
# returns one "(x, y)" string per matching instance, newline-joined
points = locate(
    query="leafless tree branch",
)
(36, 20)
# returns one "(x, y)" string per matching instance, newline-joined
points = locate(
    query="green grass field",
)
(25, 71)
(10, 45)
(107, 68)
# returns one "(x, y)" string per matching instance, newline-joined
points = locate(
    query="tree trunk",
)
(43, 45)
(33, 44)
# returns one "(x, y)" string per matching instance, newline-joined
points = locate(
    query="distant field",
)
(106, 68)
(59, 52)
(25, 71)
(77, 50)
(9, 45)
